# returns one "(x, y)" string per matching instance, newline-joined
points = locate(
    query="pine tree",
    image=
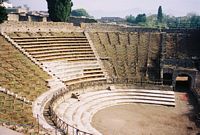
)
(59, 10)
(160, 15)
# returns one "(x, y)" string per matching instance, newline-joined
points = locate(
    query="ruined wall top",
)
(26, 26)
(102, 27)
(38, 27)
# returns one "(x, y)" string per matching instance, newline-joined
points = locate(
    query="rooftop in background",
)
(7, 5)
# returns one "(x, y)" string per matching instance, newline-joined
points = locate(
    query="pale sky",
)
(122, 8)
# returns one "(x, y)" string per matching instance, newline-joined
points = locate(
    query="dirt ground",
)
(144, 119)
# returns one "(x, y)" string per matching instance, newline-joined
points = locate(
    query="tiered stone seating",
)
(76, 72)
(170, 45)
(79, 112)
(24, 80)
(120, 53)
(19, 74)
(48, 48)
(68, 56)
(143, 46)
(128, 54)
(15, 111)
(153, 64)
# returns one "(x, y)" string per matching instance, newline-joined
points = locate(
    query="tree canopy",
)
(130, 19)
(141, 18)
(3, 14)
(80, 12)
(59, 10)
(160, 15)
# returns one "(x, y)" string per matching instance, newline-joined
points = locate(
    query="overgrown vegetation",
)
(59, 10)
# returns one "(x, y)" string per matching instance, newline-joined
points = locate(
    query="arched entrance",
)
(183, 83)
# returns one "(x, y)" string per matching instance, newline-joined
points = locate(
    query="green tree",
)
(3, 14)
(59, 10)
(160, 15)
(130, 19)
(141, 18)
(80, 12)
(195, 21)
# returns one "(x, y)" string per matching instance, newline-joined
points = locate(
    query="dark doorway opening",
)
(167, 79)
(183, 83)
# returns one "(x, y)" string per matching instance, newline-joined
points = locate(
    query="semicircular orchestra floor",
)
(128, 112)
(139, 119)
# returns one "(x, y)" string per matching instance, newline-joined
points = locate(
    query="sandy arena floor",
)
(143, 119)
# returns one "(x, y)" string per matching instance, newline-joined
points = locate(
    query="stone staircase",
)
(79, 112)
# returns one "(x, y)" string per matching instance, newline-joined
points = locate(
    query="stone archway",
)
(185, 77)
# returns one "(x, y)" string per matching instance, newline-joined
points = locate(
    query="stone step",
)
(53, 41)
(92, 72)
(65, 63)
(85, 78)
(56, 45)
(63, 53)
(92, 69)
(49, 39)
(70, 75)
(60, 50)
(74, 66)
(46, 37)
(68, 58)
(59, 47)
(153, 93)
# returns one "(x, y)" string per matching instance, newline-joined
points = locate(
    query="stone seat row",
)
(85, 78)
(68, 58)
(43, 37)
(71, 66)
(60, 47)
(46, 55)
(66, 50)
(77, 70)
(51, 42)
(47, 39)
